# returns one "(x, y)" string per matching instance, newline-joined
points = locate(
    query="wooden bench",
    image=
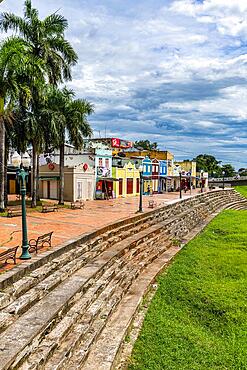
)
(14, 212)
(9, 254)
(35, 244)
(152, 204)
(49, 208)
(78, 204)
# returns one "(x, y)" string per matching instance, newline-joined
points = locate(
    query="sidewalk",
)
(67, 224)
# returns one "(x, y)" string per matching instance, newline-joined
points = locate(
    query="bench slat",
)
(40, 241)
(9, 253)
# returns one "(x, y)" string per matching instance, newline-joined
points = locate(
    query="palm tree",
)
(46, 40)
(67, 116)
(13, 62)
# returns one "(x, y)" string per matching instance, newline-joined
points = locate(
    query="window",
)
(107, 163)
(79, 190)
(100, 162)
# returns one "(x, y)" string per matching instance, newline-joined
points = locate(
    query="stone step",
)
(85, 340)
(60, 355)
(241, 204)
(106, 346)
(40, 282)
(57, 302)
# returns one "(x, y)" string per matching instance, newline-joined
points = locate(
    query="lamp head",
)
(26, 160)
(16, 159)
(223, 173)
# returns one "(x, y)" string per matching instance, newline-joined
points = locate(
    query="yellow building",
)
(160, 155)
(128, 183)
(184, 167)
(187, 166)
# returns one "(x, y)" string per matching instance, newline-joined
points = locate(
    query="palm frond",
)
(9, 21)
(55, 24)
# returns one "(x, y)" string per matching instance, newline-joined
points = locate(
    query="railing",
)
(220, 179)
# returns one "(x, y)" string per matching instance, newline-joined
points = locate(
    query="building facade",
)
(79, 182)
(128, 180)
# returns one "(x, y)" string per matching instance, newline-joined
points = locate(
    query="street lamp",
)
(201, 181)
(141, 188)
(180, 185)
(22, 163)
(223, 173)
(189, 173)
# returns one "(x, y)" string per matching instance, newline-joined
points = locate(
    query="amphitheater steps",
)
(124, 270)
(59, 300)
(106, 347)
(82, 346)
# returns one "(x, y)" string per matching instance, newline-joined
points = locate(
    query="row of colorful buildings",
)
(110, 168)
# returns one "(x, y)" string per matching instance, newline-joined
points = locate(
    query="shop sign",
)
(123, 144)
(103, 172)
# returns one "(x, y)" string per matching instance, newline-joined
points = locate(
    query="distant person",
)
(148, 190)
(185, 189)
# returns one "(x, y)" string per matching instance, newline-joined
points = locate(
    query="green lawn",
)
(198, 317)
(242, 190)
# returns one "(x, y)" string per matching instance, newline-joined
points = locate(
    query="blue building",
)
(147, 174)
(163, 176)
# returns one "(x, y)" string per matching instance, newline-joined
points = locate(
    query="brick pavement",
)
(67, 223)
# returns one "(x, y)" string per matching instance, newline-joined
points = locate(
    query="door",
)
(12, 186)
(79, 190)
(120, 184)
(137, 185)
(89, 190)
(45, 189)
(53, 189)
(129, 186)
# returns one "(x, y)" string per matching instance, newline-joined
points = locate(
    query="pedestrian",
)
(148, 190)
(185, 189)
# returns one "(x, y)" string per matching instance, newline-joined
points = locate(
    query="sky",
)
(171, 71)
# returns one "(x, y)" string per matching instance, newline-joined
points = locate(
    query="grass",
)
(242, 190)
(198, 317)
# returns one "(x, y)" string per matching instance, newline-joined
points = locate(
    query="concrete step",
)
(76, 353)
(105, 348)
(122, 272)
(56, 303)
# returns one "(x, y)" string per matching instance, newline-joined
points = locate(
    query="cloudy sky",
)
(171, 71)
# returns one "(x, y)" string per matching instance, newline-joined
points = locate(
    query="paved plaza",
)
(67, 223)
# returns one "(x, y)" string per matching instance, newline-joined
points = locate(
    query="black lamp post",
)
(22, 163)
(223, 173)
(180, 185)
(141, 188)
(189, 173)
(201, 181)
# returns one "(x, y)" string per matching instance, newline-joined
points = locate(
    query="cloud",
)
(169, 71)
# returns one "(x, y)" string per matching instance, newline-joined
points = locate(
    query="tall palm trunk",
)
(34, 176)
(6, 174)
(37, 189)
(2, 154)
(61, 173)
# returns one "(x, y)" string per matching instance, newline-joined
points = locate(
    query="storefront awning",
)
(107, 179)
(49, 178)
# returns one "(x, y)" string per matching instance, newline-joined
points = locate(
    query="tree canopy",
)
(208, 163)
(145, 145)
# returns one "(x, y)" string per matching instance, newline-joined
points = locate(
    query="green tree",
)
(208, 163)
(47, 43)
(228, 169)
(146, 145)
(67, 117)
